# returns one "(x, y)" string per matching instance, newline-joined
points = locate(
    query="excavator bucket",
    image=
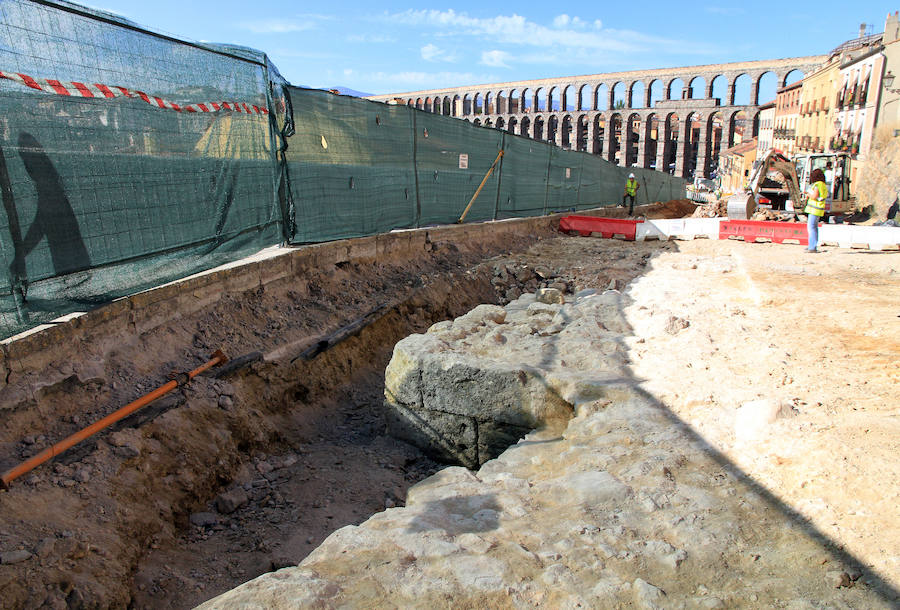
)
(741, 206)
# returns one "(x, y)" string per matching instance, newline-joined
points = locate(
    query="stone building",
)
(735, 166)
(787, 110)
(854, 109)
(884, 88)
(877, 183)
(839, 102)
(766, 136)
(816, 100)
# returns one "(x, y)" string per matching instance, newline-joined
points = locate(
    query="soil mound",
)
(674, 208)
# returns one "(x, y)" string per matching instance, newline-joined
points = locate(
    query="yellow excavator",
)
(779, 183)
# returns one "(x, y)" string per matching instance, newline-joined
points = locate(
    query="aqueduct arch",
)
(680, 129)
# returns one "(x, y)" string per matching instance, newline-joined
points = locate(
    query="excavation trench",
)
(320, 458)
(249, 467)
(231, 476)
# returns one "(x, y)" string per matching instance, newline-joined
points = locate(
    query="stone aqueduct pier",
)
(668, 126)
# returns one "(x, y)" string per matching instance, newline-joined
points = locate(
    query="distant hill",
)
(348, 91)
(341, 90)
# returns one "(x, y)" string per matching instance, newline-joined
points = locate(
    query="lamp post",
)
(887, 81)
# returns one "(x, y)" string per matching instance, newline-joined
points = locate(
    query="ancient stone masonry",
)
(456, 407)
(620, 506)
(682, 132)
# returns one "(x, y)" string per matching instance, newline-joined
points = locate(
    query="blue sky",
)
(386, 47)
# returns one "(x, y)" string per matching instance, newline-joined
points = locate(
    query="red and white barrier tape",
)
(75, 89)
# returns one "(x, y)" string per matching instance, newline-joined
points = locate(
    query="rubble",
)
(712, 210)
(9, 557)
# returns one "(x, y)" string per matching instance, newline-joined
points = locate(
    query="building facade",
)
(885, 89)
(735, 166)
(766, 136)
(816, 101)
(787, 111)
(854, 110)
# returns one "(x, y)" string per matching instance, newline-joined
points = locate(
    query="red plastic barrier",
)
(751, 230)
(606, 227)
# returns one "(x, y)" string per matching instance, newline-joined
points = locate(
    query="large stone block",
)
(443, 436)
(496, 437)
(454, 393)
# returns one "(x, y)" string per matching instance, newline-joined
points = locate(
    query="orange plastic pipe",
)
(217, 358)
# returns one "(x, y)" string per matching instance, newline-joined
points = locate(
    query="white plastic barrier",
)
(855, 236)
(678, 228)
(842, 236)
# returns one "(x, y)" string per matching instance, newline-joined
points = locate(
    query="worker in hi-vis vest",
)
(815, 207)
(631, 188)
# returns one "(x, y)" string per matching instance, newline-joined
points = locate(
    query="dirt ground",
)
(248, 473)
(812, 338)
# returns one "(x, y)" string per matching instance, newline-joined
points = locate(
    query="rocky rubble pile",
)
(254, 488)
(277, 508)
(779, 215)
(712, 210)
(623, 505)
(511, 280)
(876, 186)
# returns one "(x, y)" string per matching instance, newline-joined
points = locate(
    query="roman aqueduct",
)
(678, 119)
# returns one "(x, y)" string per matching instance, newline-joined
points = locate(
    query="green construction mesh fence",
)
(358, 168)
(129, 159)
(523, 177)
(655, 186)
(452, 159)
(350, 164)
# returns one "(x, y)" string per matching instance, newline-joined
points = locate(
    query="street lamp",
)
(836, 137)
(888, 80)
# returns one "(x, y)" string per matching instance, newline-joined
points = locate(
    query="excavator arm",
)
(774, 171)
(788, 172)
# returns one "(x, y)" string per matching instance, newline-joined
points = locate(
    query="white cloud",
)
(398, 82)
(315, 16)
(432, 52)
(496, 59)
(276, 26)
(288, 54)
(564, 21)
(371, 38)
(568, 33)
(507, 29)
(302, 22)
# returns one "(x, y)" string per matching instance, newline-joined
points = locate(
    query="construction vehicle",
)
(779, 183)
